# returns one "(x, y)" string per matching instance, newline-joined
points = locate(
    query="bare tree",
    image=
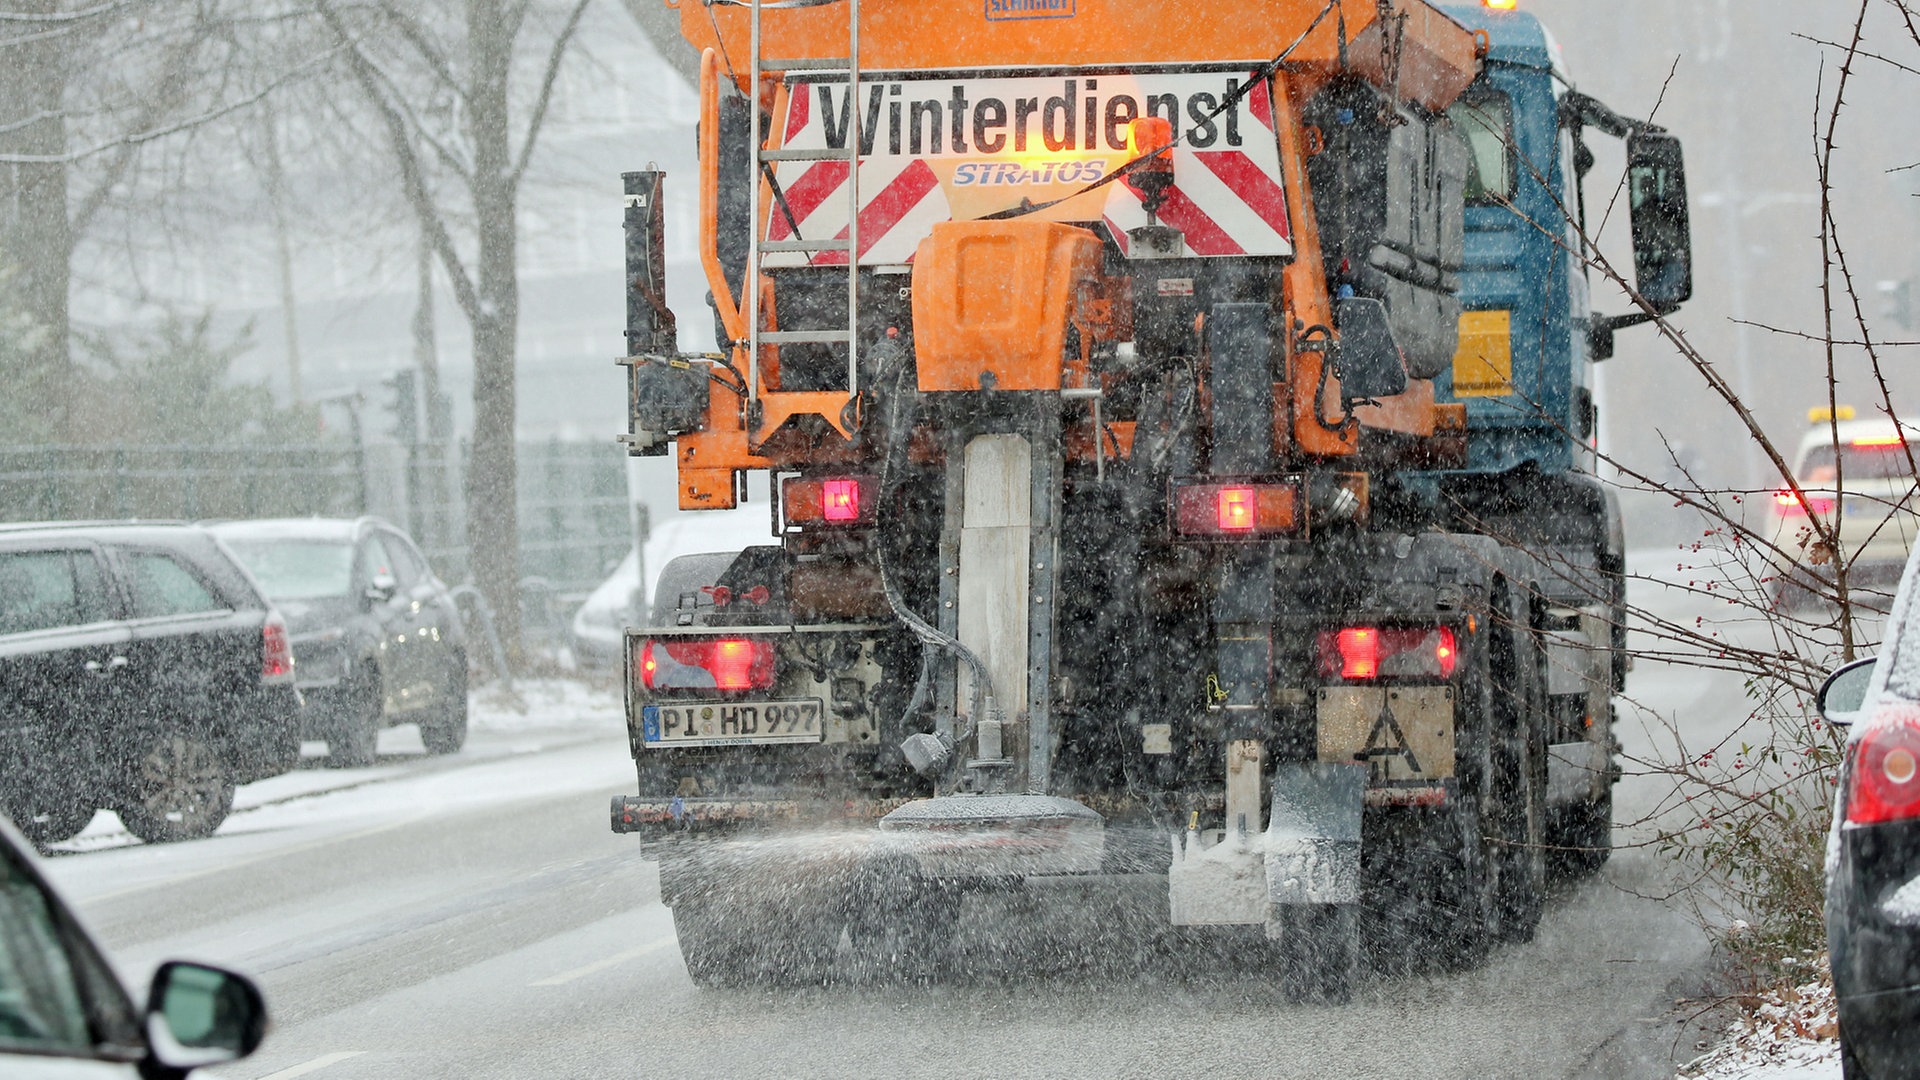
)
(87, 90)
(444, 88)
(1746, 812)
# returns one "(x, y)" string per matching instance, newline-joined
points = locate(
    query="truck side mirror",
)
(1662, 235)
(1368, 360)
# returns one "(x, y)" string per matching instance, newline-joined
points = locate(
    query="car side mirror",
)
(381, 588)
(1662, 235)
(1844, 693)
(199, 1015)
(1368, 361)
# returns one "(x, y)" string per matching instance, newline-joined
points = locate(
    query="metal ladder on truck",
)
(761, 162)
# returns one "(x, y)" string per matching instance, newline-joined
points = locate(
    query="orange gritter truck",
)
(1178, 419)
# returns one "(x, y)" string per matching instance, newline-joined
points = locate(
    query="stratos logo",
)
(1003, 10)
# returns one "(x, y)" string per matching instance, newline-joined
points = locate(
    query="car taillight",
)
(276, 656)
(829, 500)
(1238, 510)
(706, 664)
(1886, 768)
(1787, 505)
(1370, 652)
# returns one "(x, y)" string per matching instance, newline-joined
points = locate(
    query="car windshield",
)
(298, 569)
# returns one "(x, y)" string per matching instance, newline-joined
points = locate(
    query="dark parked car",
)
(141, 670)
(1873, 852)
(63, 1012)
(377, 639)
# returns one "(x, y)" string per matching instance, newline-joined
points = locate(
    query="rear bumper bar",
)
(663, 818)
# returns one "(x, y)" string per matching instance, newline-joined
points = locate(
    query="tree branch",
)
(398, 99)
(416, 36)
(538, 119)
(411, 176)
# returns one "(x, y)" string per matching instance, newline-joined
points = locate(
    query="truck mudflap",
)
(1309, 853)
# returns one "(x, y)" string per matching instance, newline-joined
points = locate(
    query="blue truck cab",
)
(1529, 337)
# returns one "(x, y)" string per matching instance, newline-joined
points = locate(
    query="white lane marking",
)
(313, 1066)
(601, 965)
(273, 853)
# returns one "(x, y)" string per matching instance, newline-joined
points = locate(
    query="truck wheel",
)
(1320, 952)
(444, 731)
(899, 923)
(718, 954)
(180, 788)
(1582, 837)
(1514, 808)
(727, 943)
(354, 738)
(1449, 855)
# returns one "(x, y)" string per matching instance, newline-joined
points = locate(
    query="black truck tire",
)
(1451, 929)
(1581, 838)
(1478, 866)
(742, 944)
(899, 923)
(1319, 952)
(718, 955)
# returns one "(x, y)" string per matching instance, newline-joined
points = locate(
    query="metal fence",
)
(574, 510)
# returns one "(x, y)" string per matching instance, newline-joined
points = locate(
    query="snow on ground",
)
(546, 703)
(530, 716)
(1790, 1034)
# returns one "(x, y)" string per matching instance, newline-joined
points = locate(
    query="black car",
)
(141, 670)
(1873, 852)
(63, 1012)
(377, 639)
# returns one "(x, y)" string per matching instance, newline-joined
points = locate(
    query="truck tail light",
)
(1370, 652)
(1886, 770)
(840, 500)
(1239, 510)
(829, 500)
(1786, 505)
(728, 663)
(276, 655)
(1234, 509)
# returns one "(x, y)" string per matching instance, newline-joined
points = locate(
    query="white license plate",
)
(732, 723)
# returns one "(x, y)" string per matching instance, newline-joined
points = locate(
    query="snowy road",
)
(474, 917)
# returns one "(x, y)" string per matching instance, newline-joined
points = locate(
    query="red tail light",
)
(1369, 652)
(1242, 510)
(276, 656)
(1235, 509)
(706, 664)
(839, 500)
(1359, 649)
(1787, 505)
(1886, 769)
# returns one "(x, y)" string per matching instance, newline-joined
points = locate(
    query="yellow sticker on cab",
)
(1483, 362)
